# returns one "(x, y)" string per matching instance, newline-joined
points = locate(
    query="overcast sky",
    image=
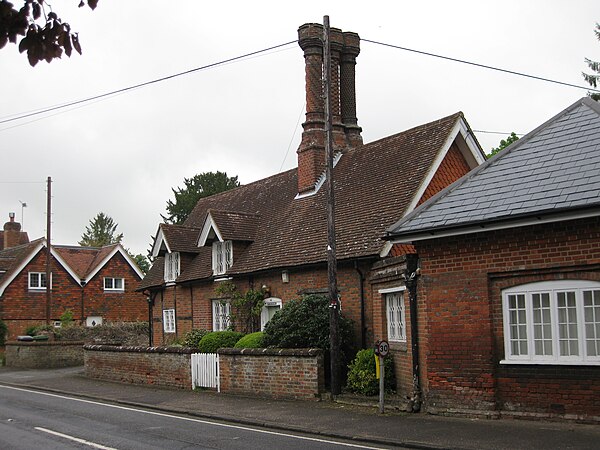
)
(122, 155)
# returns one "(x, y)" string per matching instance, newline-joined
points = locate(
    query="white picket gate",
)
(205, 370)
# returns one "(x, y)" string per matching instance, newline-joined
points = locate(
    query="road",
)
(31, 419)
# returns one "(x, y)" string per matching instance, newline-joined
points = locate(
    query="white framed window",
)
(114, 284)
(552, 322)
(171, 266)
(270, 307)
(395, 313)
(169, 320)
(221, 310)
(37, 281)
(222, 256)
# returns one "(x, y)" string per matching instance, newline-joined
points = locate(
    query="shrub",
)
(252, 340)
(192, 338)
(218, 339)
(304, 323)
(362, 377)
(3, 331)
(66, 318)
(35, 330)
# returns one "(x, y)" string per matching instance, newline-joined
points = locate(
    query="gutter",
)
(361, 283)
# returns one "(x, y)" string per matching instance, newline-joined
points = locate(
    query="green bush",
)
(362, 377)
(66, 318)
(304, 323)
(252, 340)
(3, 331)
(218, 339)
(34, 330)
(193, 337)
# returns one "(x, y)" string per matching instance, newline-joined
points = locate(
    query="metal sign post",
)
(382, 348)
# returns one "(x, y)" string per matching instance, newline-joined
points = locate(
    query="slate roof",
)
(374, 185)
(553, 169)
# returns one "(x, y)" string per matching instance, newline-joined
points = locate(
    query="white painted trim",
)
(386, 249)
(392, 289)
(506, 224)
(209, 224)
(113, 289)
(320, 181)
(471, 153)
(548, 363)
(27, 260)
(118, 249)
(160, 238)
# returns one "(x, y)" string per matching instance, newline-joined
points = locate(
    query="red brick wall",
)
(195, 301)
(460, 318)
(140, 365)
(22, 307)
(275, 373)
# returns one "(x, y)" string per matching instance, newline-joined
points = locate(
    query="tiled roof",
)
(12, 257)
(374, 185)
(235, 226)
(554, 168)
(83, 260)
(181, 238)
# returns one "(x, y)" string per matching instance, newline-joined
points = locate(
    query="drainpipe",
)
(150, 300)
(361, 281)
(410, 277)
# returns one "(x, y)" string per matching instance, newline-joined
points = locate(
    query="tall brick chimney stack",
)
(345, 47)
(12, 232)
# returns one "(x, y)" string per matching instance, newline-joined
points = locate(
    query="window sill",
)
(398, 346)
(508, 362)
(115, 291)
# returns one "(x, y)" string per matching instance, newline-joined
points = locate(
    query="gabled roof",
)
(374, 184)
(175, 238)
(551, 174)
(228, 226)
(81, 263)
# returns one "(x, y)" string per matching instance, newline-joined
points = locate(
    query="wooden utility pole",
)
(48, 251)
(334, 310)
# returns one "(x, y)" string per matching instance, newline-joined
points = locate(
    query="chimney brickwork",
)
(12, 232)
(344, 47)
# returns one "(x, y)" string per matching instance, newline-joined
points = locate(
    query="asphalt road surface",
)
(39, 420)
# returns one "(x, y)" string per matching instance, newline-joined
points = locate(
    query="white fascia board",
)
(20, 267)
(65, 265)
(118, 249)
(392, 289)
(209, 224)
(470, 151)
(160, 239)
(409, 238)
(27, 260)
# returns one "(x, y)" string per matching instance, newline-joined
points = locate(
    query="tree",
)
(100, 232)
(141, 261)
(593, 79)
(45, 40)
(504, 143)
(197, 187)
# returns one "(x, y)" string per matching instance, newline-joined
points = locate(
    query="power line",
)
(484, 66)
(147, 83)
(497, 132)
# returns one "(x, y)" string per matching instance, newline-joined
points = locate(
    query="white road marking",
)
(76, 439)
(190, 419)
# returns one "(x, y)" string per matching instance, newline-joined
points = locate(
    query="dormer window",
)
(222, 256)
(171, 266)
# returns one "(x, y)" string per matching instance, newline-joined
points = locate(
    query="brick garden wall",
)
(275, 373)
(160, 366)
(44, 355)
(461, 323)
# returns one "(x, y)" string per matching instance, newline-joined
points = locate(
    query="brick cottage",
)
(507, 298)
(95, 284)
(272, 233)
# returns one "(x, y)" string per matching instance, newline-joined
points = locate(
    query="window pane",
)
(118, 283)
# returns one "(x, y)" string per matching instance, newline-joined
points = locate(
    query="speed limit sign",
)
(384, 348)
